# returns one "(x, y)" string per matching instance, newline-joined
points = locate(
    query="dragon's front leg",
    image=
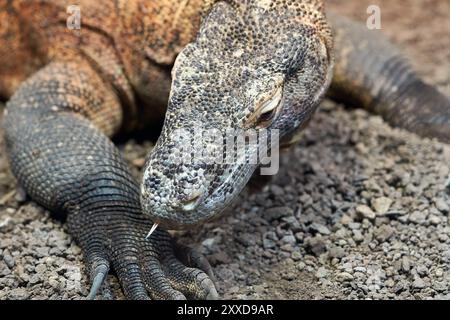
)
(57, 126)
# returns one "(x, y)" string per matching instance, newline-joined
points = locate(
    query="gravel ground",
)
(358, 210)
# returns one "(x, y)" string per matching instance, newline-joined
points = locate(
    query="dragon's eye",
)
(267, 110)
(267, 115)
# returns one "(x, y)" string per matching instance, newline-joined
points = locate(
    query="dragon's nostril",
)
(191, 203)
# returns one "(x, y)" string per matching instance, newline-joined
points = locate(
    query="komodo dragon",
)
(247, 64)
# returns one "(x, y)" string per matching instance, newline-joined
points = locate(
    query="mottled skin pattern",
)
(232, 42)
(70, 91)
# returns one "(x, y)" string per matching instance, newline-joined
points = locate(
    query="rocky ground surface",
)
(358, 210)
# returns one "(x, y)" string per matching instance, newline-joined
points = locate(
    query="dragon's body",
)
(231, 64)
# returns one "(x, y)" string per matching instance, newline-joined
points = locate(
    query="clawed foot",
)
(154, 268)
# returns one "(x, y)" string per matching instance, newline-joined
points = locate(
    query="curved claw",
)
(158, 284)
(100, 273)
(212, 295)
(199, 261)
(195, 259)
(191, 281)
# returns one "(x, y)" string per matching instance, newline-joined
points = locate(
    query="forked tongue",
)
(155, 225)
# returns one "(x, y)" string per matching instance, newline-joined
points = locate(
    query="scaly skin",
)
(373, 74)
(70, 91)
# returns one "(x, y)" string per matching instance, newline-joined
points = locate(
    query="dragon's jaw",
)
(188, 194)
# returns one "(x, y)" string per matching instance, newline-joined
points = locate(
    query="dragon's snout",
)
(191, 202)
(173, 194)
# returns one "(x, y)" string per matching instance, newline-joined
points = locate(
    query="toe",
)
(194, 283)
(130, 277)
(192, 258)
(157, 283)
(98, 276)
(98, 268)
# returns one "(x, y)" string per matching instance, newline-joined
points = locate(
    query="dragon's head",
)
(256, 72)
